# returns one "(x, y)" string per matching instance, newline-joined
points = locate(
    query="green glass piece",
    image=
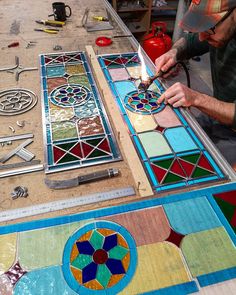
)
(134, 102)
(172, 178)
(191, 158)
(71, 100)
(66, 146)
(118, 252)
(64, 130)
(94, 142)
(103, 275)
(164, 163)
(199, 172)
(81, 261)
(96, 240)
(79, 79)
(69, 89)
(141, 95)
(147, 107)
(68, 158)
(227, 209)
(97, 153)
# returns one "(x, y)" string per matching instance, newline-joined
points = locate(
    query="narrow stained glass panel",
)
(172, 154)
(77, 130)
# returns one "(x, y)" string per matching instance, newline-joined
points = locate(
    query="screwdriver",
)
(101, 18)
(13, 44)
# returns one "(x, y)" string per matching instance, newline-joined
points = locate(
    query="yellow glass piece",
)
(77, 274)
(126, 261)
(94, 284)
(121, 241)
(105, 231)
(141, 122)
(7, 251)
(74, 252)
(114, 280)
(75, 69)
(159, 265)
(58, 114)
(85, 237)
(134, 72)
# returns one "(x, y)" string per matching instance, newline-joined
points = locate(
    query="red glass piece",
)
(188, 167)
(160, 129)
(15, 273)
(175, 237)
(107, 62)
(119, 60)
(229, 197)
(57, 153)
(86, 149)
(203, 163)
(76, 150)
(177, 169)
(47, 60)
(100, 256)
(135, 59)
(159, 172)
(104, 146)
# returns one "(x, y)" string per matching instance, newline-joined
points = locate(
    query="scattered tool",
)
(67, 203)
(49, 31)
(51, 23)
(19, 192)
(91, 27)
(101, 18)
(13, 44)
(99, 175)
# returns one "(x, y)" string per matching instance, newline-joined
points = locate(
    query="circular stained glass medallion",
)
(143, 102)
(70, 95)
(99, 256)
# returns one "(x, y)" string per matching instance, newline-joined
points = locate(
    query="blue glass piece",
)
(62, 91)
(76, 90)
(115, 266)
(85, 248)
(89, 272)
(64, 99)
(124, 87)
(140, 106)
(135, 98)
(179, 139)
(55, 71)
(154, 104)
(110, 242)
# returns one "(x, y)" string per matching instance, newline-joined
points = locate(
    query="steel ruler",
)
(68, 203)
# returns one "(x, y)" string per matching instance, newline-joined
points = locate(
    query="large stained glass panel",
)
(172, 154)
(76, 128)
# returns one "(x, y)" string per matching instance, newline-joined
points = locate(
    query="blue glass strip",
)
(181, 289)
(195, 138)
(203, 179)
(217, 277)
(140, 148)
(151, 174)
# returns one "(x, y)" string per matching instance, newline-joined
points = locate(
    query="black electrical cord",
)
(186, 72)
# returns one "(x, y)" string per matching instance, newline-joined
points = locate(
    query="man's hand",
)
(180, 95)
(166, 61)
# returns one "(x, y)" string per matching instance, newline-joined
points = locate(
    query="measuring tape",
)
(63, 204)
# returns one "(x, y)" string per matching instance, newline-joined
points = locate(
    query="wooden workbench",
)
(17, 24)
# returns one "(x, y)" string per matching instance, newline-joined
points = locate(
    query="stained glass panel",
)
(77, 130)
(172, 154)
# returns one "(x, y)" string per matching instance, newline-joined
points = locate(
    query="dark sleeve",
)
(194, 46)
(234, 121)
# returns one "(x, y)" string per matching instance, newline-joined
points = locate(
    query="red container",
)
(157, 42)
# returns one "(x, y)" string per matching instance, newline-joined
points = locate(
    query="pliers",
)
(49, 31)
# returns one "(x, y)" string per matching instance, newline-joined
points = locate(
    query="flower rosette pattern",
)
(70, 95)
(99, 257)
(143, 102)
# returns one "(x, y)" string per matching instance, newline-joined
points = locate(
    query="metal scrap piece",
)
(12, 67)
(19, 192)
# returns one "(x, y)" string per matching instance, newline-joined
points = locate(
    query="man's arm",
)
(180, 95)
